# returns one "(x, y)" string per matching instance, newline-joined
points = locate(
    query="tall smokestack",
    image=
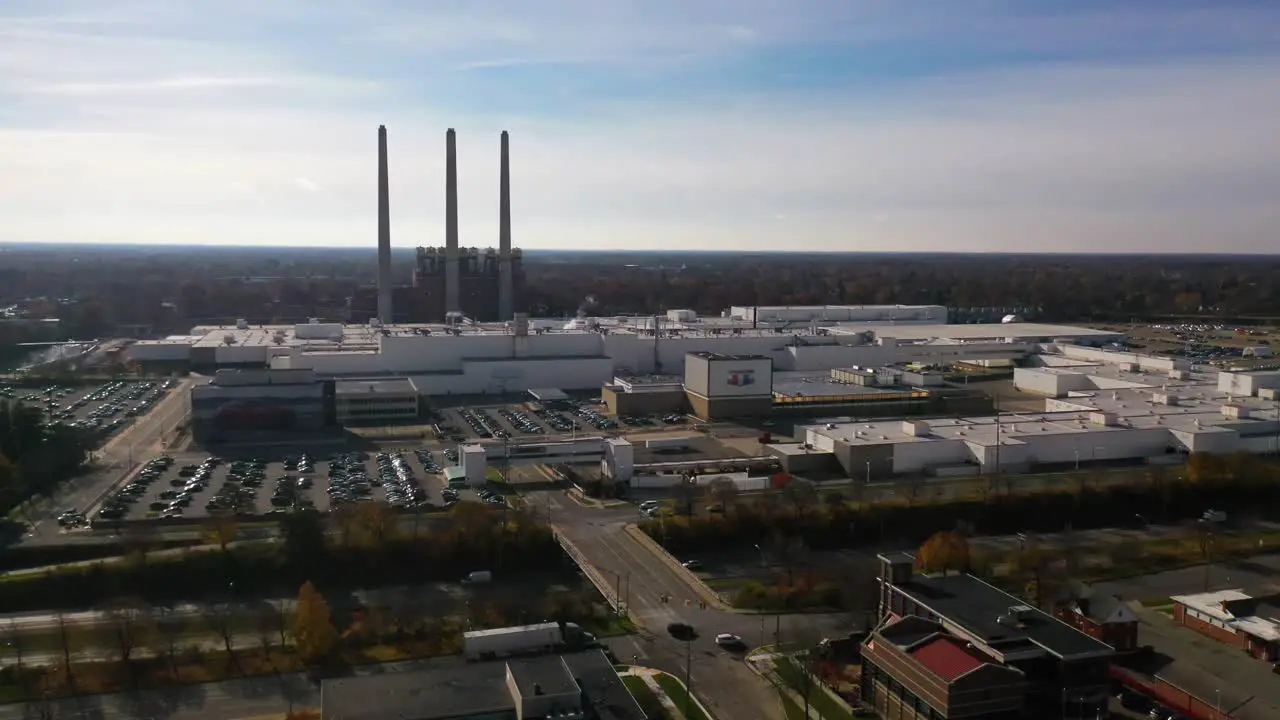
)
(452, 291)
(384, 231)
(506, 288)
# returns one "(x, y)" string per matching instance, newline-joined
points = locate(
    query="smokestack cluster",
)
(452, 299)
(506, 289)
(452, 259)
(384, 231)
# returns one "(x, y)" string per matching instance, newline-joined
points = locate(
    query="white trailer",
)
(500, 642)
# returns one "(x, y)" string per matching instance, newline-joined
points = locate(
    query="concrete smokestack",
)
(384, 231)
(452, 290)
(506, 288)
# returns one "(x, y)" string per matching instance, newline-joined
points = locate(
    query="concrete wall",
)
(1248, 384)
(144, 351)
(240, 354)
(921, 455)
(643, 403)
(1146, 362)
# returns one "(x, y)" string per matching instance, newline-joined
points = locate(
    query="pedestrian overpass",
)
(615, 455)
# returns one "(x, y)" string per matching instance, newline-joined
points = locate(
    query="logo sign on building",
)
(742, 378)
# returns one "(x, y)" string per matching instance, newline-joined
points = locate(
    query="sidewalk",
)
(650, 677)
(764, 663)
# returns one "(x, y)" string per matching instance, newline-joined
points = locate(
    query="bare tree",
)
(266, 622)
(16, 641)
(223, 618)
(802, 494)
(65, 636)
(405, 611)
(128, 621)
(170, 628)
(723, 492)
(687, 492)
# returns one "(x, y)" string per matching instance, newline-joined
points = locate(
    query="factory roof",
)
(374, 386)
(1256, 616)
(344, 336)
(980, 331)
(982, 611)
(476, 688)
(548, 394)
(709, 355)
(807, 384)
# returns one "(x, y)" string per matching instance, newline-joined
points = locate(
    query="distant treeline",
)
(173, 289)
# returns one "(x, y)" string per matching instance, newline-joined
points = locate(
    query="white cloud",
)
(134, 135)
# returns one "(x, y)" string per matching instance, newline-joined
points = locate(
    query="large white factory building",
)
(585, 353)
(1099, 407)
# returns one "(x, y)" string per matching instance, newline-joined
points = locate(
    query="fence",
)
(610, 594)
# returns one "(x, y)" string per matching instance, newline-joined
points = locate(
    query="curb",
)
(708, 595)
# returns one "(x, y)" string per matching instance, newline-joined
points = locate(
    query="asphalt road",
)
(720, 679)
(116, 460)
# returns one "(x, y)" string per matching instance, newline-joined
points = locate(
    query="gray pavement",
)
(120, 456)
(720, 679)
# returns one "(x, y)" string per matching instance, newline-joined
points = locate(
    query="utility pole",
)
(688, 675)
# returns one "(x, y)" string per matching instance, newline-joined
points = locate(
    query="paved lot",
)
(262, 473)
(106, 408)
(1256, 575)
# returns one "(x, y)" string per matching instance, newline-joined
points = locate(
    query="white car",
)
(726, 640)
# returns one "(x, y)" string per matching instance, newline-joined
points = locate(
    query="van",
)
(478, 576)
(648, 504)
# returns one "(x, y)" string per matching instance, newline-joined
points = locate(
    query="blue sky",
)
(930, 125)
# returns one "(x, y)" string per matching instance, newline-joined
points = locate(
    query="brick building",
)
(1108, 618)
(1061, 671)
(1235, 618)
(913, 669)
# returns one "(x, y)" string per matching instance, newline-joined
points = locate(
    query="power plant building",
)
(452, 283)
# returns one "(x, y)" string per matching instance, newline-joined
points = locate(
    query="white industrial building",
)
(1149, 409)
(376, 401)
(586, 353)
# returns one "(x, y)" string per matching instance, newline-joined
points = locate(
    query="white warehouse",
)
(476, 358)
(1092, 413)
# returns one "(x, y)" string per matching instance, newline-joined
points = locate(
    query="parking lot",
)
(102, 409)
(198, 485)
(530, 420)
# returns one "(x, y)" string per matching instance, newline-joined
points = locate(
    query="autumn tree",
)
(314, 634)
(942, 552)
(1203, 467)
(221, 529)
(378, 523)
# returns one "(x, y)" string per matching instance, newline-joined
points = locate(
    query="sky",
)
(748, 125)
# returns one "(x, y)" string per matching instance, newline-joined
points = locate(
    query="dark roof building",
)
(912, 667)
(575, 686)
(1065, 670)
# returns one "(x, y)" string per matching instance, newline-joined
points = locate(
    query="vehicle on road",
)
(730, 641)
(692, 565)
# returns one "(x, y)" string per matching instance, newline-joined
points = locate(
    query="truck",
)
(525, 640)
(518, 640)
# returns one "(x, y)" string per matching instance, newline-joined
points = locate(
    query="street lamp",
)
(763, 563)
